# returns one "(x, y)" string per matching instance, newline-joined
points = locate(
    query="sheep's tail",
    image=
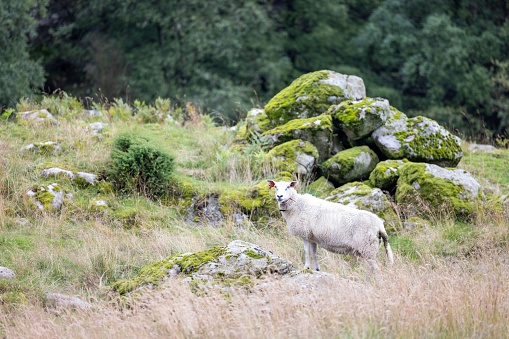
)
(388, 250)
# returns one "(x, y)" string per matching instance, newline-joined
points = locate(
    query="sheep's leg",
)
(307, 245)
(313, 246)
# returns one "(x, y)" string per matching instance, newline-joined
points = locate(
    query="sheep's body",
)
(335, 227)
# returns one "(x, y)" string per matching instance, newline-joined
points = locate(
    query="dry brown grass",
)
(453, 299)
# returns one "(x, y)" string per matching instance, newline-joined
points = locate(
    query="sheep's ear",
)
(271, 183)
(293, 183)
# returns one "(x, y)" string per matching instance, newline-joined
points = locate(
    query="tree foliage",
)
(447, 60)
(19, 73)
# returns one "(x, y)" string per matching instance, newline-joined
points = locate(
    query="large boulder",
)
(350, 165)
(296, 156)
(358, 118)
(312, 94)
(317, 130)
(441, 188)
(238, 263)
(361, 196)
(418, 139)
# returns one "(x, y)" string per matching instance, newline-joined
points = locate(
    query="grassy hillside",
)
(449, 280)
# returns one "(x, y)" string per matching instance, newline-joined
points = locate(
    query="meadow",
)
(449, 278)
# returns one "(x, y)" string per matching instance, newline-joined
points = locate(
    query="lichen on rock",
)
(358, 118)
(237, 263)
(296, 156)
(312, 94)
(47, 198)
(386, 173)
(442, 188)
(317, 130)
(350, 165)
(418, 139)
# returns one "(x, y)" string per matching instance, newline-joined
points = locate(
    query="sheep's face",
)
(284, 191)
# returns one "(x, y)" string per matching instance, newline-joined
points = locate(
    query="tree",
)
(20, 74)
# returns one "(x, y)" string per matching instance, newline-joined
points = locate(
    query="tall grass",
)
(449, 279)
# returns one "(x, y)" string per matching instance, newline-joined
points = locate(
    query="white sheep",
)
(335, 227)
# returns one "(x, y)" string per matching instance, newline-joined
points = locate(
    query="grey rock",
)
(6, 273)
(61, 302)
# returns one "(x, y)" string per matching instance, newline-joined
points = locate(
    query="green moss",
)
(386, 173)
(349, 165)
(256, 122)
(45, 197)
(439, 193)
(305, 97)
(252, 254)
(313, 125)
(359, 118)
(433, 148)
(283, 157)
(155, 273)
(321, 188)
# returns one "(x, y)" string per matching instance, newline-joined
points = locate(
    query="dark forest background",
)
(448, 60)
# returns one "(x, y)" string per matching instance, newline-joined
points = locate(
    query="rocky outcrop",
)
(238, 263)
(57, 302)
(385, 175)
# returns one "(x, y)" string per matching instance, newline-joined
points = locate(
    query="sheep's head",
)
(284, 192)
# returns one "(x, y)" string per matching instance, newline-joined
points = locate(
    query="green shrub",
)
(139, 165)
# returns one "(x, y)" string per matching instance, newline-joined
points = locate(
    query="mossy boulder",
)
(439, 188)
(358, 118)
(317, 130)
(418, 139)
(386, 173)
(296, 156)
(350, 165)
(321, 187)
(238, 263)
(361, 196)
(47, 197)
(311, 95)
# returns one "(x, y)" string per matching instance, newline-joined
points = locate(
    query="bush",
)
(140, 166)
